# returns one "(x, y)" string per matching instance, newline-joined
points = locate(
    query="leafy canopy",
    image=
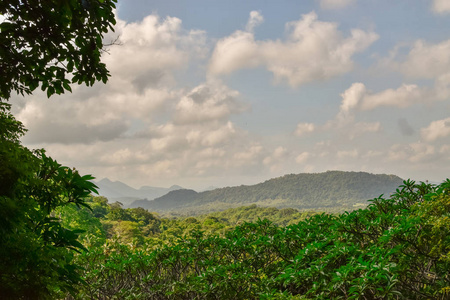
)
(52, 43)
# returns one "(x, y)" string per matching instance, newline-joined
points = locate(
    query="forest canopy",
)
(396, 248)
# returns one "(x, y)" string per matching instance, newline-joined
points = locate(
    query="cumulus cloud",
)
(304, 128)
(208, 102)
(276, 159)
(358, 98)
(302, 157)
(250, 155)
(150, 49)
(335, 4)
(424, 60)
(142, 124)
(351, 99)
(441, 6)
(414, 152)
(238, 51)
(255, 19)
(420, 60)
(139, 89)
(436, 129)
(313, 50)
(102, 115)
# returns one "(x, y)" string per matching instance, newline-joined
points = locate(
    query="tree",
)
(45, 42)
(48, 44)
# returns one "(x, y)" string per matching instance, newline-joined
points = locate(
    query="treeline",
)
(396, 248)
(137, 226)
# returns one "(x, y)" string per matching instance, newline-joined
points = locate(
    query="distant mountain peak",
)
(104, 180)
(175, 187)
(119, 191)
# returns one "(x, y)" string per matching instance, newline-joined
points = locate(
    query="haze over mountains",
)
(328, 191)
(125, 194)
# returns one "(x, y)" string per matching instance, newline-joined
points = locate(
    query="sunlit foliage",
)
(396, 248)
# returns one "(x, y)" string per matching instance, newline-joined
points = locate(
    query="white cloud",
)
(208, 102)
(103, 115)
(313, 50)
(361, 128)
(436, 129)
(255, 19)
(277, 159)
(351, 99)
(141, 124)
(424, 60)
(414, 152)
(277, 156)
(139, 90)
(147, 128)
(403, 96)
(302, 157)
(235, 52)
(253, 153)
(358, 98)
(441, 6)
(150, 50)
(304, 128)
(335, 4)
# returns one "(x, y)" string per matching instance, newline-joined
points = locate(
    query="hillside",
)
(329, 191)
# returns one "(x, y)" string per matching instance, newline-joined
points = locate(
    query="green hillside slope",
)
(329, 191)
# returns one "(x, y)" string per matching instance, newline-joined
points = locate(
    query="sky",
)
(222, 93)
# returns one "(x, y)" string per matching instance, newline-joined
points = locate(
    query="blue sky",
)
(236, 92)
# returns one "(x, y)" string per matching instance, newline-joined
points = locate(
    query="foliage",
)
(43, 42)
(48, 44)
(253, 213)
(397, 247)
(36, 249)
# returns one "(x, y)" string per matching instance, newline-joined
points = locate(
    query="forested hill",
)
(329, 191)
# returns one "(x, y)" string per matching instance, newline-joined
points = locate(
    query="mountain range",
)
(332, 191)
(125, 194)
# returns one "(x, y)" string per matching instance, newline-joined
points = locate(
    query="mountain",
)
(329, 191)
(119, 191)
(177, 198)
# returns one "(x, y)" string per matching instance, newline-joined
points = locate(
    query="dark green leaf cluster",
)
(52, 43)
(36, 249)
(396, 248)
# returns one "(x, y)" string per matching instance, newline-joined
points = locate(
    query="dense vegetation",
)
(396, 248)
(47, 44)
(331, 191)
